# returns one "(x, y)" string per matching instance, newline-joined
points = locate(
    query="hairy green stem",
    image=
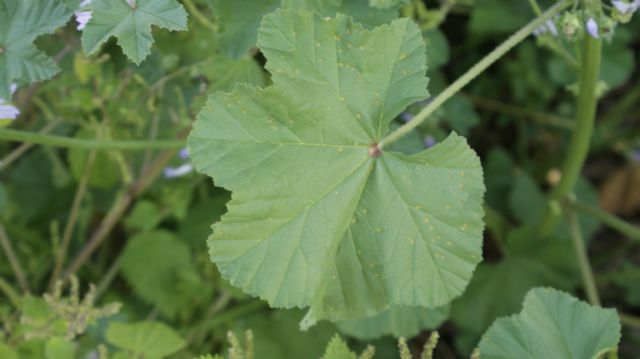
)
(23, 148)
(581, 139)
(588, 281)
(472, 73)
(81, 143)
(616, 223)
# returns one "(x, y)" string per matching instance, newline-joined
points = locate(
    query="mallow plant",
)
(333, 209)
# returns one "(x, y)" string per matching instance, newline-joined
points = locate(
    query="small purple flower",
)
(626, 8)
(83, 15)
(173, 172)
(592, 28)
(406, 116)
(183, 154)
(7, 111)
(549, 26)
(429, 141)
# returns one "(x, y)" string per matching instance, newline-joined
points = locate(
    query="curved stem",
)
(81, 143)
(588, 281)
(14, 262)
(472, 73)
(11, 293)
(616, 223)
(581, 139)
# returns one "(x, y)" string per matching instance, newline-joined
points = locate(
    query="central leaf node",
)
(374, 150)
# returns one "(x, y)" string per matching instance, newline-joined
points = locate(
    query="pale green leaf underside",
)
(21, 22)
(398, 321)
(314, 221)
(552, 324)
(148, 339)
(131, 25)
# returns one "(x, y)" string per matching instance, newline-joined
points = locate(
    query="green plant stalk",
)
(5, 243)
(117, 210)
(508, 109)
(616, 223)
(23, 148)
(587, 103)
(200, 17)
(472, 73)
(11, 293)
(61, 254)
(81, 143)
(588, 281)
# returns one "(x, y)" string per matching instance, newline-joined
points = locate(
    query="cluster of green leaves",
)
(293, 97)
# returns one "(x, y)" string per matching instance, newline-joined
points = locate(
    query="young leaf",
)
(21, 22)
(338, 349)
(399, 321)
(319, 216)
(553, 324)
(130, 22)
(144, 339)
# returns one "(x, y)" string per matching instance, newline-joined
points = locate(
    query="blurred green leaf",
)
(149, 340)
(398, 321)
(553, 324)
(161, 270)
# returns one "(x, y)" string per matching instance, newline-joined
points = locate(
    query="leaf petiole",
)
(473, 72)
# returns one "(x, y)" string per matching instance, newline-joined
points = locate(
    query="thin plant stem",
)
(629, 320)
(615, 222)
(14, 262)
(587, 103)
(61, 254)
(108, 277)
(117, 210)
(588, 281)
(199, 16)
(11, 293)
(471, 74)
(81, 143)
(541, 118)
(23, 148)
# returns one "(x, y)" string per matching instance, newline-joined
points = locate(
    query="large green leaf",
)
(552, 324)
(314, 219)
(21, 22)
(399, 321)
(130, 22)
(144, 339)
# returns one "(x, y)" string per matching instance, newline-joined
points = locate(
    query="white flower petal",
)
(173, 172)
(592, 28)
(8, 112)
(82, 18)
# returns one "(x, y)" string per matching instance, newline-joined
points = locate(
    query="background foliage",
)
(134, 221)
